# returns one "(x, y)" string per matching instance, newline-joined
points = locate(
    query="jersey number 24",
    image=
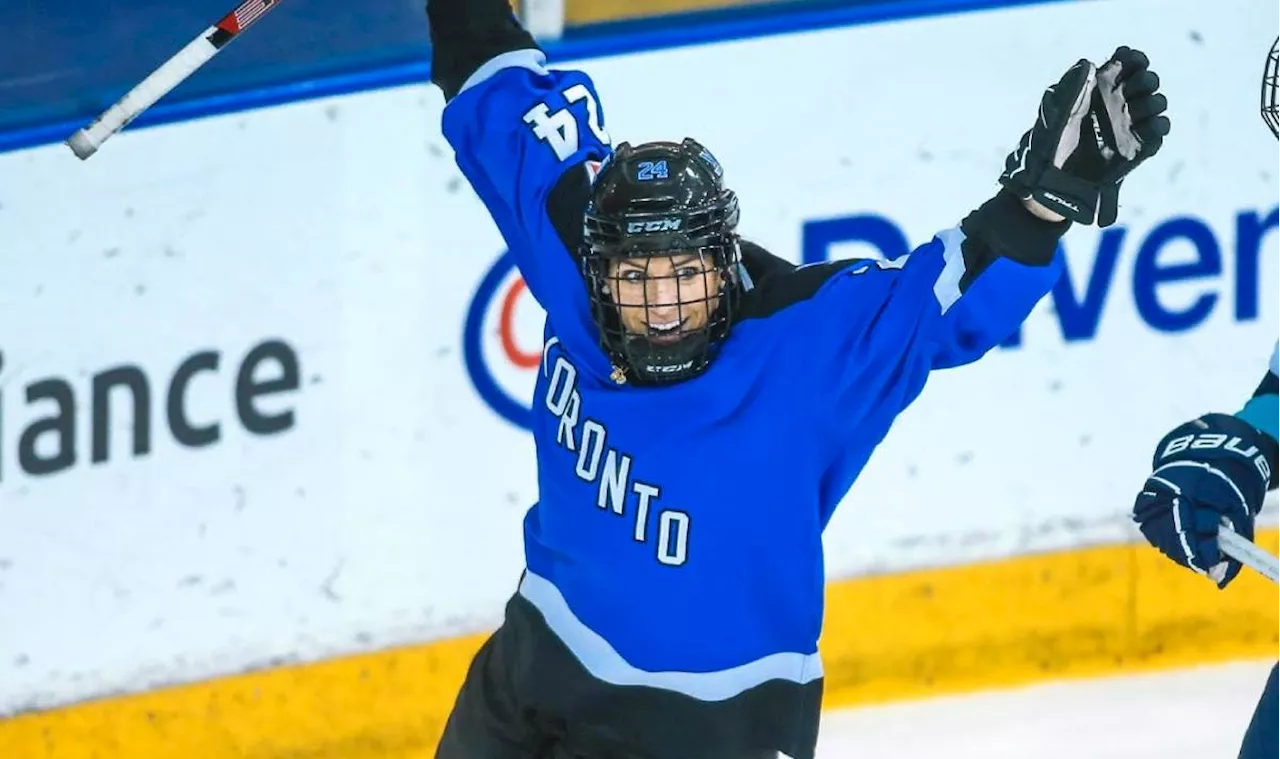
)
(560, 129)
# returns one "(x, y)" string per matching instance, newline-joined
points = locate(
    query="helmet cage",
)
(1270, 73)
(683, 352)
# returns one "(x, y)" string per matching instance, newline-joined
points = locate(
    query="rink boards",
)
(325, 488)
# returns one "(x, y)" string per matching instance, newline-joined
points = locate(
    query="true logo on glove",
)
(1062, 200)
(1107, 152)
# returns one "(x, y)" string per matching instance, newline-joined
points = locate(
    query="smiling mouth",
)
(665, 334)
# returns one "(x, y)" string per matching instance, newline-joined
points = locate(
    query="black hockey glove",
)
(1096, 125)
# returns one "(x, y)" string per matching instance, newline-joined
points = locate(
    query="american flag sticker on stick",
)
(170, 74)
(243, 17)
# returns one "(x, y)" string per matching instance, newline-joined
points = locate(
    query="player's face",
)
(665, 297)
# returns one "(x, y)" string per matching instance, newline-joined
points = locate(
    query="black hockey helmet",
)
(662, 199)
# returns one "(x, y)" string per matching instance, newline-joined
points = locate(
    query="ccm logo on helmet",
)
(658, 225)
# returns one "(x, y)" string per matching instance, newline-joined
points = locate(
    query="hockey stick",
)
(170, 74)
(1248, 553)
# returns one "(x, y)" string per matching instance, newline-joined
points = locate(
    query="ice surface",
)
(1185, 714)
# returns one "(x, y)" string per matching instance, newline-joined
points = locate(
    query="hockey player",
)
(1215, 468)
(700, 409)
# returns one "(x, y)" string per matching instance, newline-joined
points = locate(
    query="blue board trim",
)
(614, 38)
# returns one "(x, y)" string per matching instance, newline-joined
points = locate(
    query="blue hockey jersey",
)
(676, 540)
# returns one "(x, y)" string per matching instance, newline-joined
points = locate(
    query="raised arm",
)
(523, 136)
(466, 35)
(952, 299)
(882, 326)
(873, 330)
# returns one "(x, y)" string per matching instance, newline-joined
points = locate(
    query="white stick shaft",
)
(1248, 554)
(170, 74)
(158, 84)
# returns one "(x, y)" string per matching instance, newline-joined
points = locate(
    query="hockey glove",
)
(1213, 469)
(1095, 126)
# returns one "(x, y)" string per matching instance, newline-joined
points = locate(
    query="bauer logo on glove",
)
(1210, 470)
(1096, 125)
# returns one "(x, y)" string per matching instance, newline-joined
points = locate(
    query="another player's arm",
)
(1262, 410)
(1215, 467)
(522, 135)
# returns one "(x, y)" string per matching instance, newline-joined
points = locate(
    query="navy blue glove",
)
(1211, 469)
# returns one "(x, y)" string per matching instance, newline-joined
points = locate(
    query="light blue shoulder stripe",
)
(534, 60)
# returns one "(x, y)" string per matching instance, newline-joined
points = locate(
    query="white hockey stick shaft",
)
(170, 74)
(1248, 553)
